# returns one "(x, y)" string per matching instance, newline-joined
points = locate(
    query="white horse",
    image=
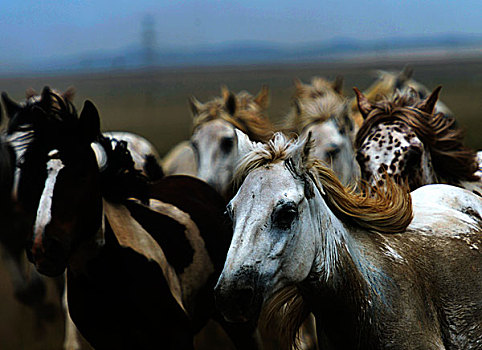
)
(304, 243)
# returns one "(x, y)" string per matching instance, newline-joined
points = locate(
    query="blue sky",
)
(32, 30)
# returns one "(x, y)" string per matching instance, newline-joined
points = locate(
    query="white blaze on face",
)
(45, 205)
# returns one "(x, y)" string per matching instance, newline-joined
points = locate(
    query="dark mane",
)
(452, 161)
(51, 119)
(120, 180)
(51, 104)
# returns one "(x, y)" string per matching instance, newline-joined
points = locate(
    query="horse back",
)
(204, 205)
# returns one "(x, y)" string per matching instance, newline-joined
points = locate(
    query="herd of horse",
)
(356, 224)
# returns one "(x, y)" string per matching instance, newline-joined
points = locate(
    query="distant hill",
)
(248, 52)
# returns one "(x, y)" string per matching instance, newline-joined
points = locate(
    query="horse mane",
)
(387, 210)
(317, 111)
(252, 122)
(315, 103)
(284, 314)
(451, 160)
(51, 103)
(120, 180)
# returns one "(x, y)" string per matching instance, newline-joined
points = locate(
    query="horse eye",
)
(414, 156)
(359, 157)
(332, 152)
(194, 145)
(227, 144)
(285, 215)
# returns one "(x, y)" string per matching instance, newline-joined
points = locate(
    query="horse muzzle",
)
(238, 301)
(48, 255)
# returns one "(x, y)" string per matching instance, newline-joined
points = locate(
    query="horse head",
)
(406, 139)
(321, 109)
(57, 176)
(214, 140)
(269, 213)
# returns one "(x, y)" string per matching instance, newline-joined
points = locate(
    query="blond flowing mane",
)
(247, 118)
(386, 210)
(451, 160)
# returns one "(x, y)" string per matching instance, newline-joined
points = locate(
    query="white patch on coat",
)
(137, 145)
(100, 155)
(45, 205)
(445, 210)
(392, 253)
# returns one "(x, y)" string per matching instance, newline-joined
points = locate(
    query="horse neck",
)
(428, 174)
(344, 283)
(349, 169)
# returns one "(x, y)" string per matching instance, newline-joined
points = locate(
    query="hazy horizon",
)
(35, 30)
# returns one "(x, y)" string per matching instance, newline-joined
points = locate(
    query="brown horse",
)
(387, 270)
(122, 292)
(405, 138)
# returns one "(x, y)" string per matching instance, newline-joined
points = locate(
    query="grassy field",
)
(154, 104)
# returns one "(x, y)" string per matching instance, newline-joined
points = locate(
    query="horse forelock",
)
(387, 210)
(252, 123)
(319, 110)
(317, 103)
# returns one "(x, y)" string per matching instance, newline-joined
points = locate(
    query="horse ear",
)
(69, 94)
(29, 93)
(89, 122)
(224, 92)
(363, 104)
(230, 104)
(245, 145)
(46, 96)
(298, 108)
(405, 75)
(308, 145)
(11, 107)
(262, 98)
(347, 121)
(302, 153)
(194, 105)
(337, 84)
(299, 87)
(428, 105)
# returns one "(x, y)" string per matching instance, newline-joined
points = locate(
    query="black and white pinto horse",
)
(140, 271)
(30, 289)
(373, 277)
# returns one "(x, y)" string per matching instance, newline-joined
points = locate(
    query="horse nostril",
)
(244, 296)
(54, 248)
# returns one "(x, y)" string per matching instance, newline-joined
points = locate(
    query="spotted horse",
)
(405, 138)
